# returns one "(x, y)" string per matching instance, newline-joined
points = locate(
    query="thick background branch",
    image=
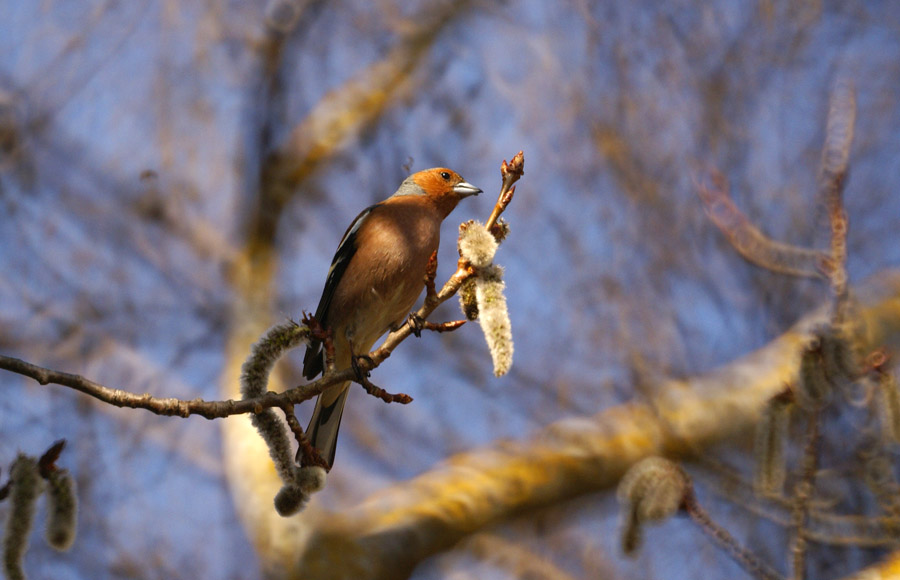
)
(392, 531)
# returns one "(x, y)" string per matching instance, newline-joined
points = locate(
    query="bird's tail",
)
(326, 420)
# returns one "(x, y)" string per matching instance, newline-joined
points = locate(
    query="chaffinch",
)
(376, 277)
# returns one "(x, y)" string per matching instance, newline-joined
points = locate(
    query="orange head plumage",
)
(443, 186)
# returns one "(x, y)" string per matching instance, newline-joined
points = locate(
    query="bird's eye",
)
(445, 175)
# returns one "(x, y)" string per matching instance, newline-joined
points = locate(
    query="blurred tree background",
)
(175, 177)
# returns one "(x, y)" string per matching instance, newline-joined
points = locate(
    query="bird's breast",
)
(386, 275)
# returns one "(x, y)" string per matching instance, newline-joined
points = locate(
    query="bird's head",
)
(443, 186)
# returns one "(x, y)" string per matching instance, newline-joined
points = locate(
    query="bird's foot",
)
(356, 364)
(316, 330)
(416, 324)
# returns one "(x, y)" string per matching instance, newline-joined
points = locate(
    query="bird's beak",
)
(465, 189)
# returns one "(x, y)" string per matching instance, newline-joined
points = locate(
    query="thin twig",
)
(824, 528)
(171, 406)
(385, 396)
(802, 493)
(748, 240)
(746, 559)
(832, 179)
(309, 455)
(448, 326)
(510, 173)
(293, 424)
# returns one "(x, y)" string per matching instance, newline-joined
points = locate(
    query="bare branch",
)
(838, 138)
(832, 177)
(746, 238)
(417, 518)
(448, 326)
(745, 558)
(168, 406)
(510, 173)
(823, 527)
(380, 393)
(802, 494)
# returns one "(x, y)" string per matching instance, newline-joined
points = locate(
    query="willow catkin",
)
(494, 317)
(62, 510)
(26, 486)
(651, 491)
(890, 406)
(476, 244)
(769, 444)
(813, 387)
(254, 383)
(468, 301)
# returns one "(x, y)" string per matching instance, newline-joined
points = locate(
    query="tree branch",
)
(166, 406)
(395, 530)
(748, 240)
(174, 407)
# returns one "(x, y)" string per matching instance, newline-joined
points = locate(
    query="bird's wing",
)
(313, 362)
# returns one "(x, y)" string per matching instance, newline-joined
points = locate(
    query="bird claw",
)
(317, 331)
(357, 369)
(416, 324)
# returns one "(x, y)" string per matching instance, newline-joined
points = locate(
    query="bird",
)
(375, 279)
